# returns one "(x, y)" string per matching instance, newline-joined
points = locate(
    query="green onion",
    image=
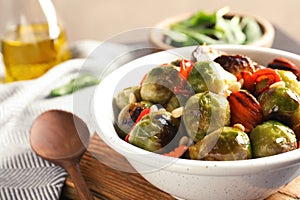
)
(78, 83)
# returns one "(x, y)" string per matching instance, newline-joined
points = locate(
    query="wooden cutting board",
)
(108, 183)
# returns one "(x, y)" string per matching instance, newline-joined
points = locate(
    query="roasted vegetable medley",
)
(215, 106)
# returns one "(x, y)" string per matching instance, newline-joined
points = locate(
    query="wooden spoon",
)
(61, 137)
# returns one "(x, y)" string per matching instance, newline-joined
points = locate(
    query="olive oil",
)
(31, 50)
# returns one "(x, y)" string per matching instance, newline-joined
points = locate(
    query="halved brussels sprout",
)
(290, 80)
(127, 96)
(204, 113)
(226, 143)
(205, 76)
(154, 131)
(128, 115)
(159, 84)
(271, 138)
(279, 103)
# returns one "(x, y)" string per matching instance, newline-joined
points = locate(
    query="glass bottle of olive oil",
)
(34, 44)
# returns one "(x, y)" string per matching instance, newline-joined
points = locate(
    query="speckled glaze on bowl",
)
(156, 36)
(191, 179)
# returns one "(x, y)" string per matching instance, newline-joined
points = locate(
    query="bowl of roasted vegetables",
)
(218, 27)
(206, 122)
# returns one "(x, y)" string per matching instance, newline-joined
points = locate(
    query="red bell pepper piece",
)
(141, 115)
(185, 67)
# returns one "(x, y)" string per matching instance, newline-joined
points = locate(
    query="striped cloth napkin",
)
(24, 175)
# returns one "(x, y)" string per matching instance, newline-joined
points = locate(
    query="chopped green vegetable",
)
(198, 37)
(179, 39)
(214, 28)
(75, 84)
(251, 29)
(201, 17)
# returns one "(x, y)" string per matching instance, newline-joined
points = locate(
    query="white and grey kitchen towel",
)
(24, 175)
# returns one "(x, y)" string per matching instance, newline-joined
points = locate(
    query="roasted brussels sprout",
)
(236, 63)
(204, 113)
(271, 138)
(290, 80)
(226, 143)
(295, 123)
(175, 101)
(205, 77)
(159, 83)
(285, 64)
(154, 131)
(128, 115)
(279, 103)
(127, 96)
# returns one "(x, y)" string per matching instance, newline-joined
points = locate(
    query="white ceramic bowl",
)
(192, 179)
(156, 36)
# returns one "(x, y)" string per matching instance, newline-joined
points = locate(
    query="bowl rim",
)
(103, 126)
(156, 34)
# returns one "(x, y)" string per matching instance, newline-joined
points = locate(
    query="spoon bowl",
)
(61, 138)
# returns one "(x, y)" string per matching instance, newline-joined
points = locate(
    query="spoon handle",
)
(79, 182)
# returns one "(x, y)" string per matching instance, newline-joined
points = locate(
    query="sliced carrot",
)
(263, 78)
(248, 83)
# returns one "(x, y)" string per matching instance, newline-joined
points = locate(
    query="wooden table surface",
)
(107, 183)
